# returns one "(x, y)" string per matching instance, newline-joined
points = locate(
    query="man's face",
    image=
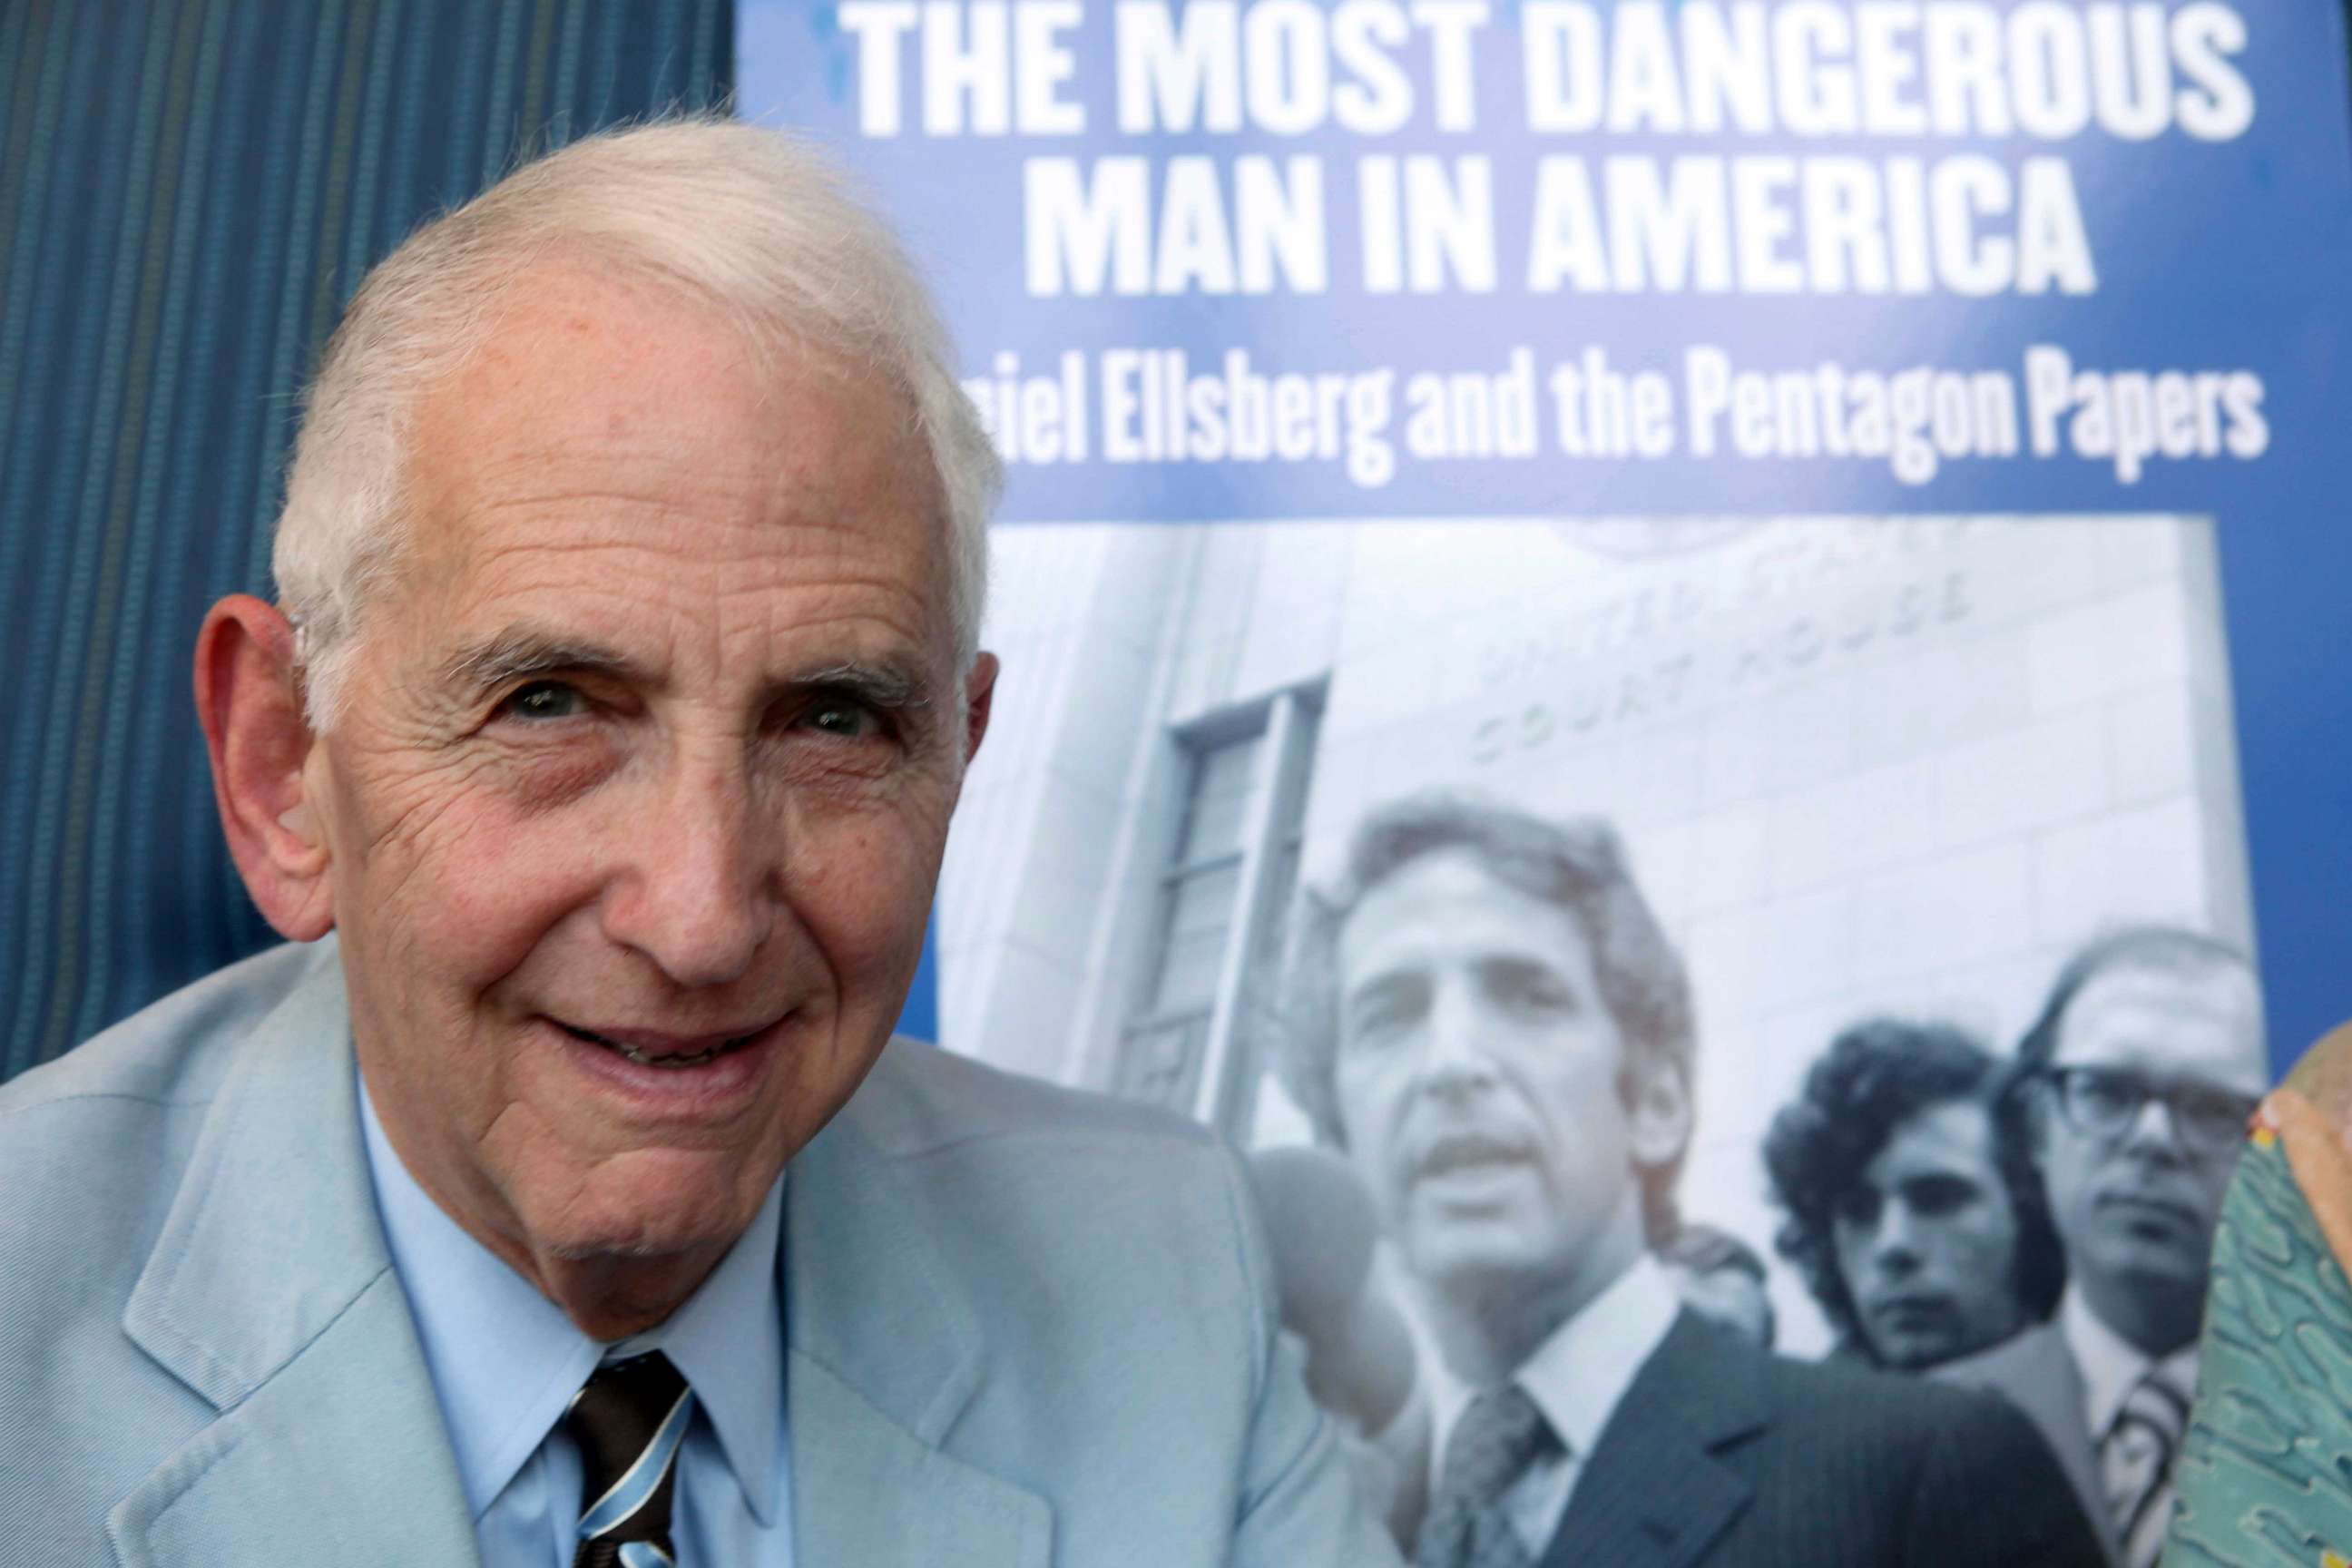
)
(2136, 1208)
(635, 810)
(1926, 1241)
(1478, 1080)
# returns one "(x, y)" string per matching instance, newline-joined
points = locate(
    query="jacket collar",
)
(886, 1350)
(269, 1293)
(1655, 1494)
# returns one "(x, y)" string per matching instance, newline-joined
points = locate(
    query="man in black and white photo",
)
(2137, 1079)
(1913, 1213)
(1506, 1053)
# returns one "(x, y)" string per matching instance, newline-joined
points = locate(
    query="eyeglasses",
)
(2105, 1104)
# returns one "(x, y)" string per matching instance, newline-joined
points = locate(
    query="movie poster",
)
(1631, 657)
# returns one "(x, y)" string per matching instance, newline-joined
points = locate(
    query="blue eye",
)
(542, 701)
(835, 716)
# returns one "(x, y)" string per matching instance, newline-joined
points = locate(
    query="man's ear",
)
(251, 710)
(979, 692)
(1658, 1113)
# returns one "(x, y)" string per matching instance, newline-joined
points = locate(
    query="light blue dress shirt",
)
(506, 1362)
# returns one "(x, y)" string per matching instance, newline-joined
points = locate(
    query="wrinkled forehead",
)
(1449, 910)
(603, 412)
(2193, 1020)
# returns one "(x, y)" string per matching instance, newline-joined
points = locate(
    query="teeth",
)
(695, 1060)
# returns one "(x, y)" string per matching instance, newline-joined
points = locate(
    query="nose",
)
(1896, 1248)
(697, 894)
(1453, 1059)
(2153, 1135)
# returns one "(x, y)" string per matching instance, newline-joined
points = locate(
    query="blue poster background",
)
(2212, 256)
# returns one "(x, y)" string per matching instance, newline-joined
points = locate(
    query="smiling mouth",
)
(674, 1060)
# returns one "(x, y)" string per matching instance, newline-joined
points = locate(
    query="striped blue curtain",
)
(189, 191)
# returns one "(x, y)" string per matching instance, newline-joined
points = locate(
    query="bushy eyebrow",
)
(889, 686)
(519, 653)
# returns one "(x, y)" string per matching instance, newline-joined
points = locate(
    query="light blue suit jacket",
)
(1025, 1327)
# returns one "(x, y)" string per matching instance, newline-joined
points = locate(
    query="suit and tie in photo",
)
(2134, 1084)
(1493, 1031)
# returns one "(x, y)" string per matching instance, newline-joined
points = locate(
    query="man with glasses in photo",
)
(2136, 1080)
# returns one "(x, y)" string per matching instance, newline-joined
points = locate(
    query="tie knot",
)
(1498, 1435)
(628, 1420)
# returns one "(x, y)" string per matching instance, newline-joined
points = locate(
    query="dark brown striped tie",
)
(628, 1420)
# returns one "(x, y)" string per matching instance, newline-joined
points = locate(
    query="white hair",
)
(753, 222)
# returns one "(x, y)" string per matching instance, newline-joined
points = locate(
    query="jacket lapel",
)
(2036, 1372)
(2051, 1392)
(271, 1294)
(886, 1353)
(1652, 1494)
(867, 1491)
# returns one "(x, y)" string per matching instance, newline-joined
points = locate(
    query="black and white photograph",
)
(1720, 1013)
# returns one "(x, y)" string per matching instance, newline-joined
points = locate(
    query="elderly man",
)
(1915, 1214)
(625, 682)
(2137, 1079)
(1505, 1049)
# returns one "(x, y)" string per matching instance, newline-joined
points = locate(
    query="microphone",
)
(1320, 1224)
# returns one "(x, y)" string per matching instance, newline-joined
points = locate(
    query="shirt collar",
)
(728, 1340)
(506, 1362)
(1582, 1371)
(1578, 1374)
(2112, 1365)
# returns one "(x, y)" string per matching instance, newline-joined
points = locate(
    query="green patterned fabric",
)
(189, 191)
(2265, 1475)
